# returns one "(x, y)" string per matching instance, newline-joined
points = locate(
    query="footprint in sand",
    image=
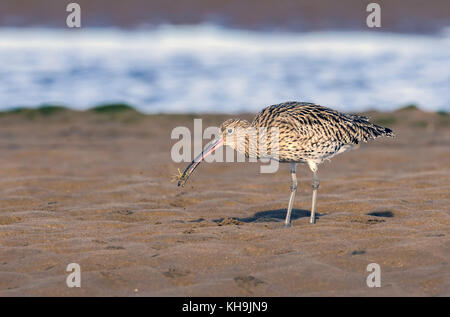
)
(179, 277)
(229, 221)
(175, 273)
(248, 282)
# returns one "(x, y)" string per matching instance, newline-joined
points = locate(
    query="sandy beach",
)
(95, 189)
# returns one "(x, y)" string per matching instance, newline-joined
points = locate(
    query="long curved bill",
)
(209, 148)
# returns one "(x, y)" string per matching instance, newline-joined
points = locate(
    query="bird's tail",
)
(368, 130)
(381, 131)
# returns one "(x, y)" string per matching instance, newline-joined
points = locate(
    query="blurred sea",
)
(206, 68)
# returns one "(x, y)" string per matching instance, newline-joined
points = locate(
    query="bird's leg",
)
(287, 222)
(315, 187)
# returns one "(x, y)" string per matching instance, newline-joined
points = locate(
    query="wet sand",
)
(95, 189)
(298, 15)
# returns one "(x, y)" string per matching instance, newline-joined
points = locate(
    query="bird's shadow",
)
(276, 215)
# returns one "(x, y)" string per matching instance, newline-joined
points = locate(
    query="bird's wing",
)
(289, 124)
(318, 124)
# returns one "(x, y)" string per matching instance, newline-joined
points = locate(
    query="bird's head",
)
(232, 132)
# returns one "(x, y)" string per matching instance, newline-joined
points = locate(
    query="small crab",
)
(179, 177)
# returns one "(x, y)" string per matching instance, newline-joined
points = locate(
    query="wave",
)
(206, 68)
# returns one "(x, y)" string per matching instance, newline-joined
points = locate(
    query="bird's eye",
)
(230, 131)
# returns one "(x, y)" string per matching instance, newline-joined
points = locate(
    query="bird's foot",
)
(287, 225)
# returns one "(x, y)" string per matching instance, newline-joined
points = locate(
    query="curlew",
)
(306, 133)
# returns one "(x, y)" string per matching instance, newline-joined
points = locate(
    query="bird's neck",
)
(253, 142)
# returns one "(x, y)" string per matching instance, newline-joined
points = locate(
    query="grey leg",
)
(287, 222)
(315, 187)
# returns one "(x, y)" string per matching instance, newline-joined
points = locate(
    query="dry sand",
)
(95, 189)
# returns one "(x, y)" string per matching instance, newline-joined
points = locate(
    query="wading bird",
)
(305, 133)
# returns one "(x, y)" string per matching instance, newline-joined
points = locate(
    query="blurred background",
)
(198, 56)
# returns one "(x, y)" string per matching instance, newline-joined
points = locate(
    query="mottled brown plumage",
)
(294, 132)
(307, 132)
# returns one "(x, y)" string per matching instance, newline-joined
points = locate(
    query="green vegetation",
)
(409, 107)
(30, 113)
(113, 108)
(47, 110)
(118, 111)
